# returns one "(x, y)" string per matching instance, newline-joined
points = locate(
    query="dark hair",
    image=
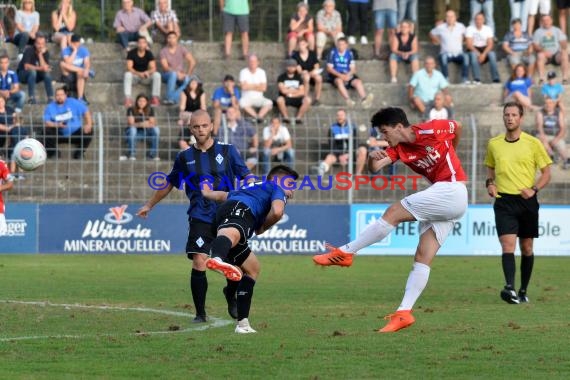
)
(390, 116)
(171, 32)
(514, 104)
(514, 73)
(342, 39)
(143, 37)
(4, 56)
(62, 88)
(145, 110)
(199, 87)
(282, 170)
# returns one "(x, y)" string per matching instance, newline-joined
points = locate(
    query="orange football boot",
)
(336, 256)
(399, 320)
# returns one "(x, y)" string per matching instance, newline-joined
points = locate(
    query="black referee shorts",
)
(516, 215)
(200, 236)
(234, 214)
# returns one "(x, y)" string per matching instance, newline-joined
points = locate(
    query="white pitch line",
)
(214, 322)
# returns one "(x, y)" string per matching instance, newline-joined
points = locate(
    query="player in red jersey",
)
(6, 183)
(429, 150)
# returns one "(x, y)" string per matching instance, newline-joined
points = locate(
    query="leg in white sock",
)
(417, 281)
(371, 234)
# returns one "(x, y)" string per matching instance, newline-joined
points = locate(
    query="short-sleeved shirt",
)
(329, 23)
(225, 98)
(220, 161)
(5, 176)
(435, 114)
(70, 112)
(140, 117)
(280, 138)
(8, 80)
(515, 163)
(309, 63)
(290, 81)
(259, 77)
(140, 64)
(164, 18)
(549, 39)
(132, 21)
(341, 62)
(518, 44)
(426, 86)
(236, 7)
(239, 136)
(553, 91)
(479, 36)
(379, 5)
(432, 154)
(451, 39)
(176, 59)
(28, 20)
(304, 24)
(31, 57)
(80, 56)
(521, 85)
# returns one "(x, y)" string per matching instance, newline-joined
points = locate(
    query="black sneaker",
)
(523, 298)
(200, 319)
(232, 303)
(510, 296)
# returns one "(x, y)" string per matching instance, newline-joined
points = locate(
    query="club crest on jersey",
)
(219, 159)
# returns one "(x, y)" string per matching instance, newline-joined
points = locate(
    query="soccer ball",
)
(29, 154)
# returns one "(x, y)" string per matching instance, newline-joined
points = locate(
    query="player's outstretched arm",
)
(377, 160)
(156, 197)
(214, 195)
(274, 215)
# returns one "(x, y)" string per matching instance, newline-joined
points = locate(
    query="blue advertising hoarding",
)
(21, 234)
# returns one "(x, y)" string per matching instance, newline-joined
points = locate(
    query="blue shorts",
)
(386, 19)
(396, 57)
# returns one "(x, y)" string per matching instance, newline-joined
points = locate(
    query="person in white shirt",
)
(450, 36)
(479, 41)
(277, 145)
(437, 110)
(253, 82)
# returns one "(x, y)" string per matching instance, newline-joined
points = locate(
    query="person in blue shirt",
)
(76, 67)
(255, 207)
(10, 86)
(224, 97)
(518, 88)
(341, 69)
(67, 120)
(207, 157)
(553, 90)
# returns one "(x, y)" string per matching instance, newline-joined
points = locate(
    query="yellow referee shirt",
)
(516, 163)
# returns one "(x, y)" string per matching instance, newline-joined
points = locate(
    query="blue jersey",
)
(70, 112)
(8, 80)
(79, 60)
(221, 163)
(341, 62)
(258, 197)
(552, 91)
(224, 97)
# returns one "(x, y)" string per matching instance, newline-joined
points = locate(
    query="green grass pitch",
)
(312, 323)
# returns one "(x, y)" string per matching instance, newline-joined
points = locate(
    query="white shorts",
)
(438, 207)
(254, 101)
(533, 6)
(3, 225)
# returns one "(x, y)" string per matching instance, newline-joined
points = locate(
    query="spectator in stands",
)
(193, 98)
(67, 120)
(227, 95)
(34, 68)
(374, 142)
(519, 10)
(342, 74)
(63, 22)
(563, 6)
(76, 67)
(485, 7)
(404, 48)
(27, 26)
(533, 7)
(450, 36)
(277, 145)
(425, 83)
(358, 11)
(442, 6)
(292, 93)
(340, 132)
(164, 20)
(301, 25)
(518, 46)
(10, 85)
(141, 68)
(10, 128)
(329, 25)
(235, 12)
(437, 110)
(553, 90)
(385, 17)
(518, 88)
(242, 136)
(141, 126)
(551, 46)
(408, 10)
(479, 40)
(551, 130)
(309, 68)
(178, 66)
(130, 23)
(253, 81)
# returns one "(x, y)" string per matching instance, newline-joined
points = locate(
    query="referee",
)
(207, 157)
(512, 161)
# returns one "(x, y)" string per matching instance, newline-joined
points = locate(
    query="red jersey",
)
(5, 176)
(432, 155)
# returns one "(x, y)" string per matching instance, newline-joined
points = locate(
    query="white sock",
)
(371, 234)
(417, 281)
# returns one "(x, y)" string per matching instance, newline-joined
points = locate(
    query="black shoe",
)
(286, 121)
(200, 319)
(523, 298)
(78, 154)
(316, 103)
(232, 303)
(510, 296)
(298, 121)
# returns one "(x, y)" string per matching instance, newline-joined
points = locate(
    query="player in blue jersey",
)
(223, 163)
(254, 208)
